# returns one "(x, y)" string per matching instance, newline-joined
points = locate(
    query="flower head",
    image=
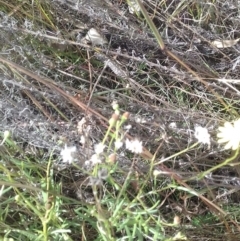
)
(67, 153)
(99, 148)
(230, 134)
(134, 146)
(118, 144)
(202, 135)
(95, 159)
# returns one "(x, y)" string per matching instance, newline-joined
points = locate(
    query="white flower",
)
(95, 37)
(127, 127)
(95, 159)
(99, 148)
(118, 144)
(172, 125)
(230, 134)
(67, 153)
(140, 120)
(202, 135)
(134, 146)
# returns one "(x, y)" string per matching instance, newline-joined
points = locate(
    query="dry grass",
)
(51, 80)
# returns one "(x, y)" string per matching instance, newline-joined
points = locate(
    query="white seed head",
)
(99, 148)
(134, 146)
(202, 135)
(67, 154)
(229, 134)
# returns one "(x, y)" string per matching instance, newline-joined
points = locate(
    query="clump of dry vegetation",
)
(113, 132)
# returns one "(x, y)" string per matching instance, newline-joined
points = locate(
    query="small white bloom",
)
(230, 134)
(67, 154)
(95, 37)
(87, 163)
(99, 148)
(115, 105)
(140, 120)
(118, 144)
(134, 146)
(95, 159)
(202, 135)
(127, 127)
(173, 125)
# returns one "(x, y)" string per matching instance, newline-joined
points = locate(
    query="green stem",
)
(176, 154)
(226, 162)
